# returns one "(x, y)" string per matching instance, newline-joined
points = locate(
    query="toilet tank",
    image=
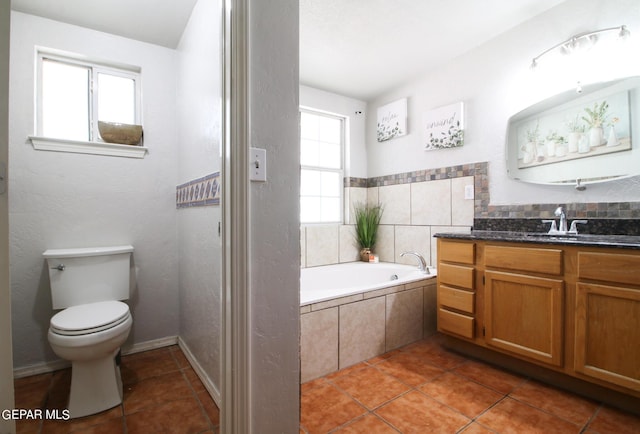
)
(88, 275)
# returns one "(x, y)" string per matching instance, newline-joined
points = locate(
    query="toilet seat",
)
(89, 318)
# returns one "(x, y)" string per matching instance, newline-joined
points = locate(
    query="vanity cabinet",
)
(523, 312)
(523, 315)
(570, 308)
(607, 344)
(456, 288)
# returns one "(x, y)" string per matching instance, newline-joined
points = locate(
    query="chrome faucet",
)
(562, 227)
(574, 228)
(422, 264)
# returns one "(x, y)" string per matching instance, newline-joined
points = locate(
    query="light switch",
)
(258, 164)
(468, 191)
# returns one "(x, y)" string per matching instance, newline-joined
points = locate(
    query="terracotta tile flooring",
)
(423, 388)
(162, 394)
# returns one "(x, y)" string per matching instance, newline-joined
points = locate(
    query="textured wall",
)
(199, 121)
(71, 200)
(495, 82)
(274, 218)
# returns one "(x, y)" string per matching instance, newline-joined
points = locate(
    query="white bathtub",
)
(333, 281)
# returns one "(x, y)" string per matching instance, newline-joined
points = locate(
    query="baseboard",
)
(150, 345)
(55, 365)
(40, 368)
(206, 381)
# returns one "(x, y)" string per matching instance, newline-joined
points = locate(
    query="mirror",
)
(581, 136)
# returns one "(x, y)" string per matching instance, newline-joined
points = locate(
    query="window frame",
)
(95, 67)
(340, 171)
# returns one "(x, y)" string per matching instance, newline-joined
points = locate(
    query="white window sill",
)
(81, 147)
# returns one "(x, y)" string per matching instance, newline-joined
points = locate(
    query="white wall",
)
(495, 82)
(355, 152)
(274, 218)
(70, 200)
(199, 123)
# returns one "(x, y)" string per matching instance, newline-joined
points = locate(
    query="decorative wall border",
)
(355, 182)
(482, 208)
(203, 191)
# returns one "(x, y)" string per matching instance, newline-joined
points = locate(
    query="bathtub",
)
(355, 311)
(333, 281)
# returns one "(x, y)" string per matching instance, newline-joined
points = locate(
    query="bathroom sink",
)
(553, 234)
(557, 235)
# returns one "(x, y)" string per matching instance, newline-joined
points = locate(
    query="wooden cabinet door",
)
(524, 315)
(607, 344)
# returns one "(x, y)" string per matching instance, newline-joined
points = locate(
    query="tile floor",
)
(423, 388)
(162, 394)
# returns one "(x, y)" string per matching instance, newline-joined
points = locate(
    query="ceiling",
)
(159, 22)
(362, 48)
(357, 48)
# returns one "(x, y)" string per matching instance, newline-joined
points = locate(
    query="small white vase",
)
(612, 140)
(551, 148)
(540, 152)
(583, 146)
(529, 153)
(574, 141)
(595, 136)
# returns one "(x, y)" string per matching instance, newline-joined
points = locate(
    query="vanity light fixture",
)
(581, 41)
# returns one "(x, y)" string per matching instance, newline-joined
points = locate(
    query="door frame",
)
(235, 409)
(6, 353)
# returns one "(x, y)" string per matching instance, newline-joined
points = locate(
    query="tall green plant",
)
(367, 222)
(597, 116)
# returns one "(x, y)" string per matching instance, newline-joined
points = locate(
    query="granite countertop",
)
(614, 241)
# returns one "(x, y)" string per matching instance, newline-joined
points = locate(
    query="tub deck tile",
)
(336, 302)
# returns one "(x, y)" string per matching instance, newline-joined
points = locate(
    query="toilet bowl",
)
(90, 337)
(88, 284)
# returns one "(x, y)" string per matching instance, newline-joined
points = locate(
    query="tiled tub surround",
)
(425, 202)
(344, 331)
(416, 206)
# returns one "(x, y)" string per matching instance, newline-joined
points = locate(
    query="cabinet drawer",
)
(547, 261)
(463, 253)
(610, 267)
(455, 323)
(456, 298)
(456, 275)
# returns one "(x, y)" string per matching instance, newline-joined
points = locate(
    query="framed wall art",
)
(392, 120)
(443, 127)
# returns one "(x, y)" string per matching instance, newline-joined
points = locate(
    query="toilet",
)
(89, 284)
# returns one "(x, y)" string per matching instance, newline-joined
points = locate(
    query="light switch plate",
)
(258, 164)
(468, 191)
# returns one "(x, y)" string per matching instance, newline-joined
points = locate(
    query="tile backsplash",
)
(419, 204)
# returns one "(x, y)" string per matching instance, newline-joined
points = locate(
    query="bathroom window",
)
(74, 94)
(321, 167)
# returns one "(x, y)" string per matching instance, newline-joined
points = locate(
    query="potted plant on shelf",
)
(367, 221)
(595, 118)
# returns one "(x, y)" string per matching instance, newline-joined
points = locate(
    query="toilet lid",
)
(89, 318)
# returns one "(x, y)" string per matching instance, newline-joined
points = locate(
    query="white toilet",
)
(88, 284)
